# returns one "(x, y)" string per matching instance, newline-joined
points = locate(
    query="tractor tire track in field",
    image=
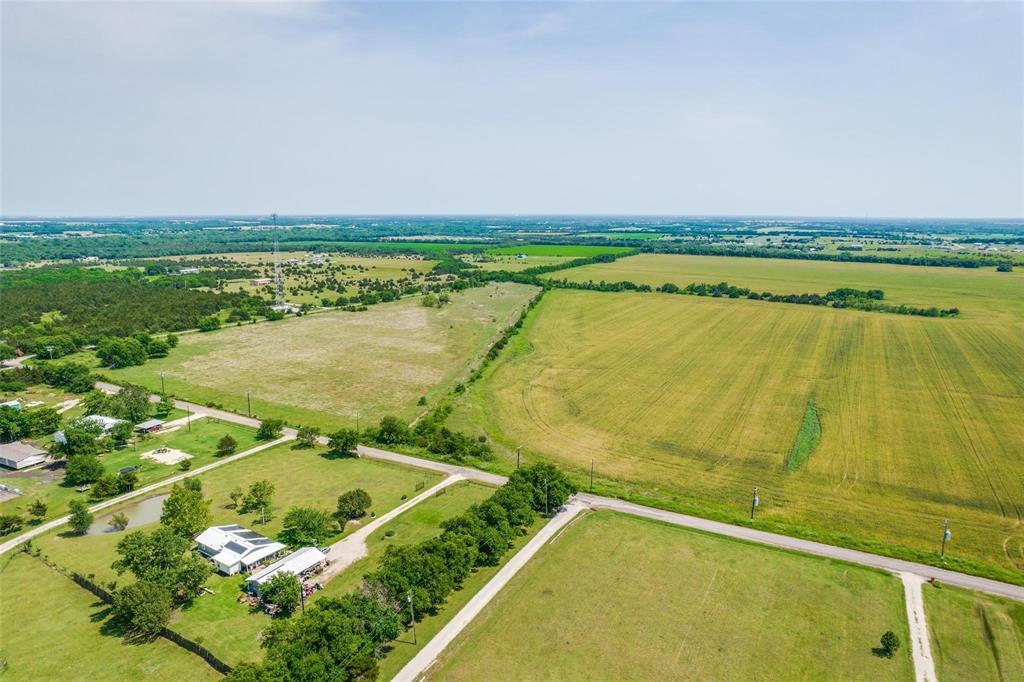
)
(957, 403)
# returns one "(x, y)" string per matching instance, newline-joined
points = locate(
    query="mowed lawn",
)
(302, 477)
(975, 636)
(980, 293)
(697, 400)
(52, 629)
(323, 369)
(617, 597)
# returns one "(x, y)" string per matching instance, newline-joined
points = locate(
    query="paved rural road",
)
(596, 502)
(432, 649)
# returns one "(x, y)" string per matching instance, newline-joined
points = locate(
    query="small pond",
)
(144, 511)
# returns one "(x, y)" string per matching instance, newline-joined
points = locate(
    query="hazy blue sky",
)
(827, 108)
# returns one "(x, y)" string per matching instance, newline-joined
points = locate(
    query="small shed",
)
(19, 455)
(149, 426)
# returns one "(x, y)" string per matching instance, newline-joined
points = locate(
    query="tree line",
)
(744, 251)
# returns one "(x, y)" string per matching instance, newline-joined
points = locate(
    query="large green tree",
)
(143, 608)
(81, 518)
(163, 557)
(284, 590)
(186, 512)
(353, 504)
(307, 526)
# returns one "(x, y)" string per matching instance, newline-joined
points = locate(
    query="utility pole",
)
(248, 403)
(946, 537)
(591, 475)
(412, 615)
(163, 389)
(357, 422)
(518, 449)
(302, 596)
(188, 416)
(547, 499)
(49, 349)
(753, 504)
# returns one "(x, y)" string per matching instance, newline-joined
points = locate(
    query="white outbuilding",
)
(298, 563)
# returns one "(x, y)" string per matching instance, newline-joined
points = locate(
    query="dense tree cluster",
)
(340, 639)
(53, 311)
(27, 423)
(431, 434)
(168, 574)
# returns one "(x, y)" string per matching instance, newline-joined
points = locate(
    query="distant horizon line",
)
(763, 216)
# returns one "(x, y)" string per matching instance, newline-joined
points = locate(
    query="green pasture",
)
(52, 629)
(975, 636)
(617, 597)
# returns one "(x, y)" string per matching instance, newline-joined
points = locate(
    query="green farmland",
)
(616, 597)
(324, 369)
(975, 636)
(693, 401)
(981, 294)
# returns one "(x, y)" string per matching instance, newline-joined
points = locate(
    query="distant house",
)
(149, 426)
(188, 271)
(14, 404)
(298, 563)
(233, 548)
(260, 281)
(107, 425)
(520, 256)
(19, 455)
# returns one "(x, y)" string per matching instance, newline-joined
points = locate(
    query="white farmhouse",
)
(233, 548)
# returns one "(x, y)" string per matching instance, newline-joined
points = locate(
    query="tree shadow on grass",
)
(333, 454)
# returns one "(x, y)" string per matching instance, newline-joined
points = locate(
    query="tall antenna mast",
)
(278, 285)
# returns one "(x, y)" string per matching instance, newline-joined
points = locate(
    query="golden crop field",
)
(695, 401)
(981, 293)
(323, 369)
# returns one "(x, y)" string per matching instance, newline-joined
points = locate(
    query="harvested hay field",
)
(695, 401)
(322, 369)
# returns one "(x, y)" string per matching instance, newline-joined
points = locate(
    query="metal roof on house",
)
(295, 563)
(149, 423)
(19, 451)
